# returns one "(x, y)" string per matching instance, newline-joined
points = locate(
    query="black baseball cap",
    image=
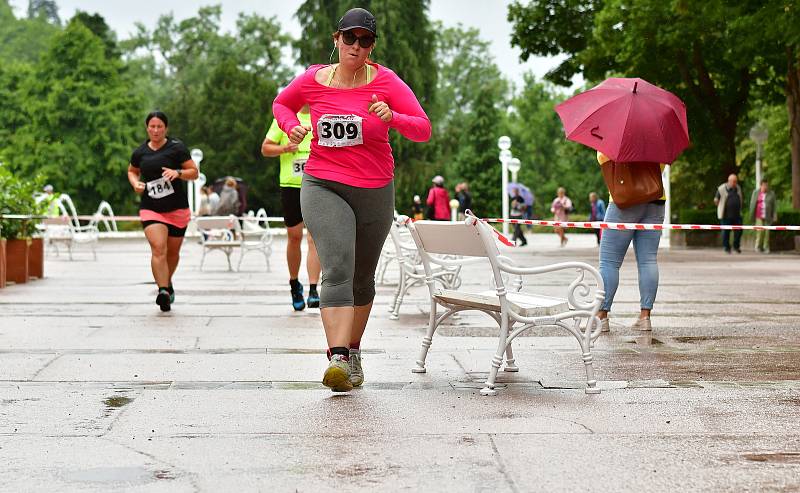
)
(354, 18)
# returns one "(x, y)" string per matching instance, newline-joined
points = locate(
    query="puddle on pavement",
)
(775, 458)
(645, 340)
(117, 401)
(119, 475)
(698, 339)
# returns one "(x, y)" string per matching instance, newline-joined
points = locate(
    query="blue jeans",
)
(614, 245)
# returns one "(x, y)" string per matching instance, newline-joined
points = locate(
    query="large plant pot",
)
(36, 258)
(2, 263)
(17, 260)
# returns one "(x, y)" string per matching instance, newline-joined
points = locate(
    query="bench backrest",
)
(453, 238)
(208, 223)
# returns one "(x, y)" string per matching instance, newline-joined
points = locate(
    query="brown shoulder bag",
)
(633, 183)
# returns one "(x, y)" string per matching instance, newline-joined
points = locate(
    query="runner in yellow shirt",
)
(293, 160)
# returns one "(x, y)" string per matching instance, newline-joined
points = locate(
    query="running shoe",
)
(337, 376)
(356, 373)
(297, 296)
(162, 300)
(171, 293)
(313, 297)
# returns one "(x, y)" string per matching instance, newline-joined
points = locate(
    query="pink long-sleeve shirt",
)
(366, 165)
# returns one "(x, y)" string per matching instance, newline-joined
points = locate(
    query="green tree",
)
(97, 24)
(44, 9)
(81, 121)
(22, 40)
(702, 57)
(548, 160)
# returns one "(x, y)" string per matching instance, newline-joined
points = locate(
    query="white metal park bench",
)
(225, 233)
(256, 236)
(512, 307)
(66, 229)
(411, 269)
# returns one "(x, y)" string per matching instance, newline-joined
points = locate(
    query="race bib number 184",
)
(159, 188)
(340, 130)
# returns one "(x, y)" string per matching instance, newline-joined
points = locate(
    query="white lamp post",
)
(513, 166)
(504, 144)
(759, 135)
(194, 197)
(665, 236)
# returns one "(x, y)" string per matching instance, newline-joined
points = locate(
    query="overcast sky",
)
(488, 16)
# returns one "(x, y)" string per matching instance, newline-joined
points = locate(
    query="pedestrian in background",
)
(729, 201)
(597, 212)
(764, 213)
(464, 199)
(614, 245)
(518, 212)
(213, 199)
(561, 209)
(228, 199)
(417, 210)
(438, 200)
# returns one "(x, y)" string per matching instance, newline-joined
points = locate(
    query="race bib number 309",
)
(160, 188)
(340, 130)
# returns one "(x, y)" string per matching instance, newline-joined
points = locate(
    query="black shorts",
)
(290, 200)
(172, 230)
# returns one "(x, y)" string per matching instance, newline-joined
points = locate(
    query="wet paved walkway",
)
(100, 391)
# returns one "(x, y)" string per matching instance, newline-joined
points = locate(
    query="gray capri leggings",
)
(349, 226)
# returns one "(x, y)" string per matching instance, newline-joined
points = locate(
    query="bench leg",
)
(591, 383)
(241, 257)
(510, 366)
(228, 253)
(426, 341)
(398, 299)
(497, 359)
(203, 258)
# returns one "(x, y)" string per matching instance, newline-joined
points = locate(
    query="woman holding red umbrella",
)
(633, 125)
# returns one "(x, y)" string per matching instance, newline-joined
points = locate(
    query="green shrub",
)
(17, 197)
(698, 216)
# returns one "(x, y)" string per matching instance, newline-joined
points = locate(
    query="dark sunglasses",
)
(364, 41)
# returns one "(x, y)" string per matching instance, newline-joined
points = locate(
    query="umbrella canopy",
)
(628, 120)
(524, 192)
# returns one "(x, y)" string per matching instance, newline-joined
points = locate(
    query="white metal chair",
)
(66, 228)
(412, 271)
(105, 215)
(512, 308)
(256, 236)
(221, 233)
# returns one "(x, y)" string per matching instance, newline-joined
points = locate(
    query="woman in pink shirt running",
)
(347, 194)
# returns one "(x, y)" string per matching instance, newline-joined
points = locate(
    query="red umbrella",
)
(628, 120)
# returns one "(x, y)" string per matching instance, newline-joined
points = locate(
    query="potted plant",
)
(17, 197)
(2, 259)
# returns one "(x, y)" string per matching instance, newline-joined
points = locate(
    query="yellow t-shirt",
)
(603, 159)
(292, 163)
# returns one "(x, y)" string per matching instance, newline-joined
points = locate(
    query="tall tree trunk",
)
(793, 107)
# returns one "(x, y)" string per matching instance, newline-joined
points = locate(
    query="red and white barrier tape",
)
(637, 226)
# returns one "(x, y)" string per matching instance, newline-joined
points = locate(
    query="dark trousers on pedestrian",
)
(519, 235)
(726, 234)
(598, 233)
